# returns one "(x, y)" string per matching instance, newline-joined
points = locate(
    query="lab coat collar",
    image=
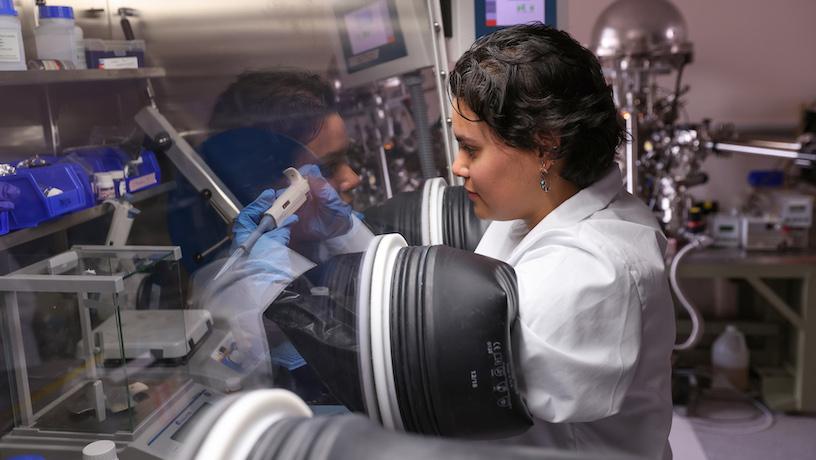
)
(577, 208)
(586, 202)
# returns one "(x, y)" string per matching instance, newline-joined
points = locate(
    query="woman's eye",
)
(328, 169)
(467, 149)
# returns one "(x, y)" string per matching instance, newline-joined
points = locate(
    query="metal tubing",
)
(389, 191)
(631, 119)
(440, 55)
(733, 147)
(419, 110)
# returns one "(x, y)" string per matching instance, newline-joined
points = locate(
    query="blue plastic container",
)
(148, 174)
(141, 176)
(97, 159)
(98, 52)
(33, 206)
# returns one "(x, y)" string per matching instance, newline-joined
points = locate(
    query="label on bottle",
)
(119, 63)
(9, 46)
(107, 193)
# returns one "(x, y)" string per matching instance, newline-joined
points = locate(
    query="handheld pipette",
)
(284, 206)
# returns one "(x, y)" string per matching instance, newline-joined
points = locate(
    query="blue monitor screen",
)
(495, 14)
(370, 33)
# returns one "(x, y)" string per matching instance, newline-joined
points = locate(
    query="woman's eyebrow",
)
(335, 155)
(462, 139)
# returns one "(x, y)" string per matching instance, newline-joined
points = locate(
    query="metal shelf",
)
(24, 235)
(46, 77)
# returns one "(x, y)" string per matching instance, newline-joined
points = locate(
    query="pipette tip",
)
(239, 252)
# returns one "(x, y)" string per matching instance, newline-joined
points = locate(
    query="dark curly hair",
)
(532, 80)
(285, 101)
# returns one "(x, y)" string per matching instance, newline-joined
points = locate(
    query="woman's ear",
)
(548, 145)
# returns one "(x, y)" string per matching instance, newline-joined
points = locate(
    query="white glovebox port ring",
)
(364, 330)
(424, 213)
(435, 190)
(246, 419)
(383, 271)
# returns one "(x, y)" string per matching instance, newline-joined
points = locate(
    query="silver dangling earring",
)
(543, 172)
(545, 186)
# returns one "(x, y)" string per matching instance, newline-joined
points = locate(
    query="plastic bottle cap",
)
(117, 174)
(99, 450)
(7, 8)
(103, 180)
(56, 12)
(729, 349)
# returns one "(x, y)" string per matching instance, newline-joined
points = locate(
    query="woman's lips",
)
(472, 195)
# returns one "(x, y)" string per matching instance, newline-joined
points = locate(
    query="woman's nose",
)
(345, 179)
(460, 165)
(349, 180)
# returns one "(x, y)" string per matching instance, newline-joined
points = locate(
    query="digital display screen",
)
(797, 208)
(370, 33)
(369, 27)
(511, 12)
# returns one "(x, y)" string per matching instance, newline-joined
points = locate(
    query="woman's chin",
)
(482, 212)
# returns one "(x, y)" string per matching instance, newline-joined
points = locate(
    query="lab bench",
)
(756, 268)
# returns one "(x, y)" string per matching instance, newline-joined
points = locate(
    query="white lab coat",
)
(596, 322)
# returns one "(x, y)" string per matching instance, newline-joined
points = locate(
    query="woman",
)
(537, 132)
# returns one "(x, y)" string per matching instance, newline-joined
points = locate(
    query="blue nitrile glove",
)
(8, 194)
(269, 261)
(325, 215)
(242, 293)
(250, 216)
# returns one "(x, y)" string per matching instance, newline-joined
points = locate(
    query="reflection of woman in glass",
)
(265, 122)
(297, 104)
(249, 117)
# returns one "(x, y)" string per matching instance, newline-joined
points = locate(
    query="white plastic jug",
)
(12, 54)
(729, 357)
(58, 37)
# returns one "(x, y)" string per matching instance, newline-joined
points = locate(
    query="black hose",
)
(419, 111)
(354, 437)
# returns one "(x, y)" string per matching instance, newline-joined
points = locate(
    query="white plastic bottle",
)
(58, 36)
(12, 54)
(104, 186)
(729, 357)
(100, 450)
